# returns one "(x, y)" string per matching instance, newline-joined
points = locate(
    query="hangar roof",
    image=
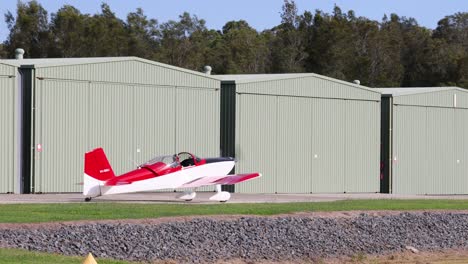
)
(56, 62)
(60, 61)
(244, 78)
(254, 78)
(415, 90)
(428, 96)
(299, 85)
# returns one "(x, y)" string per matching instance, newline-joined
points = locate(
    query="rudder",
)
(97, 170)
(97, 165)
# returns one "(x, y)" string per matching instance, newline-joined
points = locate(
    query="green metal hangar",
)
(133, 108)
(306, 133)
(425, 144)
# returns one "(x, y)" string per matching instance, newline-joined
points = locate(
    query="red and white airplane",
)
(183, 170)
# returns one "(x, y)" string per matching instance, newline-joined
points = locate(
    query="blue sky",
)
(261, 14)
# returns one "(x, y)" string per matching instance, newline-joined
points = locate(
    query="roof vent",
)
(358, 82)
(207, 70)
(19, 54)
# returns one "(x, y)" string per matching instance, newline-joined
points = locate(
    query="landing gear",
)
(87, 199)
(187, 196)
(220, 196)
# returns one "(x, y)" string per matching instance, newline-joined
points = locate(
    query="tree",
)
(183, 42)
(241, 49)
(68, 31)
(105, 35)
(287, 47)
(338, 44)
(3, 52)
(29, 30)
(415, 51)
(386, 69)
(454, 29)
(143, 34)
(451, 35)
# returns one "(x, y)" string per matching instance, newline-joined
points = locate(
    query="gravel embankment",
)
(254, 238)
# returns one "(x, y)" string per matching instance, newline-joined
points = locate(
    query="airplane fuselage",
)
(172, 180)
(182, 170)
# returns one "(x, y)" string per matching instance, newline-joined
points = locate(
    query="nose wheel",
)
(87, 199)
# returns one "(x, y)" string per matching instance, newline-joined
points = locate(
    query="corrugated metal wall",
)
(430, 149)
(256, 137)
(132, 121)
(302, 144)
(460, 185)
(409, 147)
(362, 138)
(198, 121)
(440, 131)
(328, 136)
(8, 128)
(293, 121)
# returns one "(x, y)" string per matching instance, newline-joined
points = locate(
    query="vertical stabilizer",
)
(97, 171)
(97, 165)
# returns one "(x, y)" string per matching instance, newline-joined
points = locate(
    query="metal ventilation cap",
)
(19, 54)
(357, 82)
(207, 70)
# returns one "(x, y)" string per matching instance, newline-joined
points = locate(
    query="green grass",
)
(13, 256)
(31, 213)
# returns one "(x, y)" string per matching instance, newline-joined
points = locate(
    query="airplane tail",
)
(97, 171)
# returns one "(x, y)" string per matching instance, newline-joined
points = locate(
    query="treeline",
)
(391, 53)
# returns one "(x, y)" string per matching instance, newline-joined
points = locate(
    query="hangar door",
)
(307, 145)
(133, 123)
(7, 129)
(429, 150)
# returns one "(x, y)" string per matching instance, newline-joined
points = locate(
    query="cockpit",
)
(187, 159)
(183, 159)
(168, 160)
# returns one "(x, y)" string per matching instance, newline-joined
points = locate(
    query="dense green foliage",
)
(393, 52)
(13, 256)
(29, 213)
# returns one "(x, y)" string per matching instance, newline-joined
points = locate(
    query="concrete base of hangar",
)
(202, 198)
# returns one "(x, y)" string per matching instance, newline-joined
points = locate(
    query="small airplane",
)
(183, 170)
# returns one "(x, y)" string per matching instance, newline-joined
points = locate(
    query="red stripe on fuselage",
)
(143, 173)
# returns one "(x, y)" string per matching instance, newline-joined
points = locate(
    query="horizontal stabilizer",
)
(223, 180)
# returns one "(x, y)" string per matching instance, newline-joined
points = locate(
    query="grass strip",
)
(34, 213)
(14, 256)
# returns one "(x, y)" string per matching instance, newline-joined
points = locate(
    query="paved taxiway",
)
(202, 198)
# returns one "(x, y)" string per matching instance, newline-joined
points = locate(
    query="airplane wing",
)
(224, 180)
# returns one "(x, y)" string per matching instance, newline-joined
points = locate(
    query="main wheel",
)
(87, 199)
